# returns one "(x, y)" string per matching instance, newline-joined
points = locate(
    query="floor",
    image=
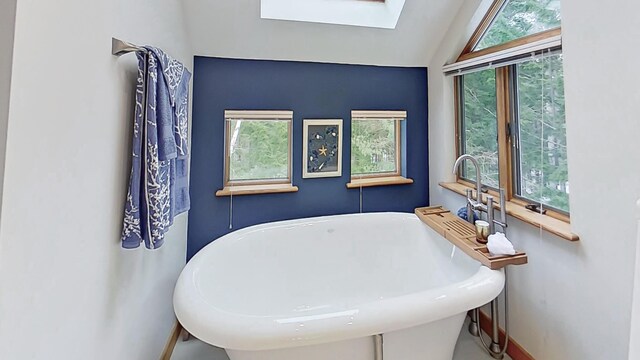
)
(468, 348)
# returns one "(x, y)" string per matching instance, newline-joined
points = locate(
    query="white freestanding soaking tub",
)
(321, 288)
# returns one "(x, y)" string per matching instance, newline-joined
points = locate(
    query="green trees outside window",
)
(542, 156)
(258, 150)
(480, 126)
(373, 147)
(519, 18)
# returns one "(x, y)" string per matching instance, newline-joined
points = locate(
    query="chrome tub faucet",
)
(477, 203)
(471, 204)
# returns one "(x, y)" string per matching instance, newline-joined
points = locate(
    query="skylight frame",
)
(370, 13)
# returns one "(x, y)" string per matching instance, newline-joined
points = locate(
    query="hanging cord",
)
(360, 178)
(540, 230)
(230, 198)
(231, 211)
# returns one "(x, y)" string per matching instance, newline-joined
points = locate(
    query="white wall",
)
(634, 344)
(67, 289)
(7, 26)
(573, 300)
(234, 29)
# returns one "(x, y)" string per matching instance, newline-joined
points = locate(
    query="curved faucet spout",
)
(474, 161)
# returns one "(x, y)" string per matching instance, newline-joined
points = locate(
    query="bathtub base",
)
(433, 341)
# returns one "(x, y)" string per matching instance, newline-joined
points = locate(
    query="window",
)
(376, 147)
(479, 121)
(541, 156)
(509, 88)
(520, 18)
(257, 152)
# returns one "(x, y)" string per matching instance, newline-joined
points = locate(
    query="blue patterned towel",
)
(159, 184)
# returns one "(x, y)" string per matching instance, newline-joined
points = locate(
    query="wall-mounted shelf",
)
(463, 235)
(256, 189)
(378, 181)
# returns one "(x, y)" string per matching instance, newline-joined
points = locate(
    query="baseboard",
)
(171, 342)
(514, 350)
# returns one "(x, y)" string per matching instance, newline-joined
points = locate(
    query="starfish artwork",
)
(322, 152)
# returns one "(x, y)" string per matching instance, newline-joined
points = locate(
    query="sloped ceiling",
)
(382, 14)
(234, 29)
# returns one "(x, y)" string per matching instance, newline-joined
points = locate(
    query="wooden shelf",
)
(463, 235)
(256, 189)
(555, 226)
(378, 181)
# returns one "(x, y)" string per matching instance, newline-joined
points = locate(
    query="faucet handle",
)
(490, 200)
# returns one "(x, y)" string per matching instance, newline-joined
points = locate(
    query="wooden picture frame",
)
(322, 148)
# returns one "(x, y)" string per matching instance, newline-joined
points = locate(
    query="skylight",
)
(369, 13)
(519, 18)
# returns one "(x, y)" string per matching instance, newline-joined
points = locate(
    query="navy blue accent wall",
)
(311, 90)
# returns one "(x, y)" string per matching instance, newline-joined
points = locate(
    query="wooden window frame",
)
(486, 22)
(382, 178)
(529, 39)
(494, 10)
(513, 155)
(505, 111)
(397, 117)
(506, 148)
(256, 186)
(459, 138)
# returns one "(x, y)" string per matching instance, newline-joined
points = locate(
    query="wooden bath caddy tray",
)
(463, 235)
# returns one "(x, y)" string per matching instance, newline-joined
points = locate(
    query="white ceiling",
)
(369, 13)
(234, 29)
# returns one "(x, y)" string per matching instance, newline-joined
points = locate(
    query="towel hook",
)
(119, 47)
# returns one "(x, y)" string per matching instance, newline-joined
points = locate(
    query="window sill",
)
(555, 226)
(256, 189)
(378, 181)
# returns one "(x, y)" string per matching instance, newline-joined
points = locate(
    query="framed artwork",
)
(322, 148)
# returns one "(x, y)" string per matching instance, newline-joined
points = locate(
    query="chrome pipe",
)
(478, 176)
(501, 224)
(495, 337)
(503, 209)
(378, 341)
(490, 220)
(470, 211)
(493, 350)
(506, 315)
